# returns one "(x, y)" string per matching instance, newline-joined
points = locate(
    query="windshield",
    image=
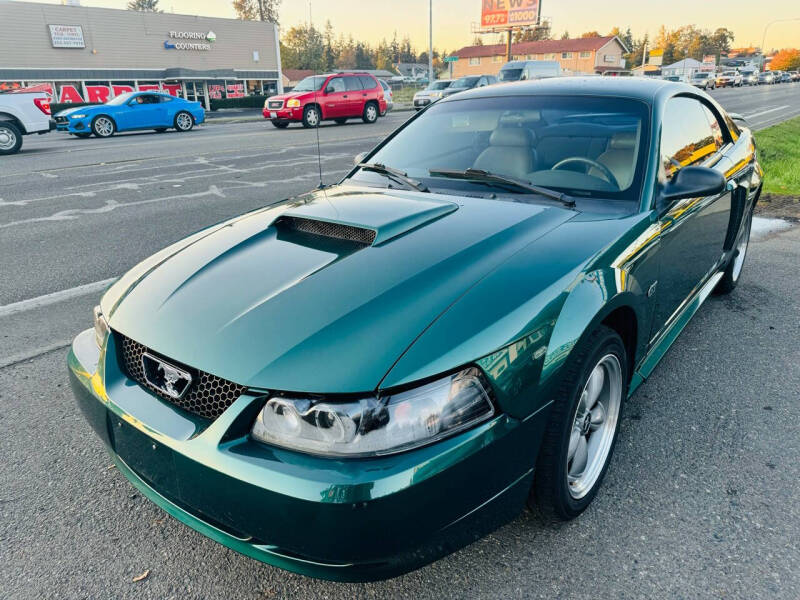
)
(701, 75)
(510, 74)
(584, 146)
(465, 82)
(121, 99)
(729, 73)
(310, 84)
(439, 85)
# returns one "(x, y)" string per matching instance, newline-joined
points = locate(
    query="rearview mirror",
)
(691, 182)
(359, 158)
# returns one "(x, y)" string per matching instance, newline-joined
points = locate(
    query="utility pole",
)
(508, 46)
(430, 41)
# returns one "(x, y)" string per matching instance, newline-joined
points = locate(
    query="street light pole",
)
(764, 39)
(430, 41)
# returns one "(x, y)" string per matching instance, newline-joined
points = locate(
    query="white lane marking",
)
(764, 112)
(55, 297)
(15, 359)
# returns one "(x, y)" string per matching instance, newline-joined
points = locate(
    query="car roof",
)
(631, 87)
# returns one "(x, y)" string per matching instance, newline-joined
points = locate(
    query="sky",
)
(372, 20)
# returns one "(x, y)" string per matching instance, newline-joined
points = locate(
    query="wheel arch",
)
(107, 115)
(6, 116)
(316, 105)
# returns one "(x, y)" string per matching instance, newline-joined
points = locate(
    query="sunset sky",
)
(376, 19)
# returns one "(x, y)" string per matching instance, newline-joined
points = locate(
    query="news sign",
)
(66, 36)
(509, 13)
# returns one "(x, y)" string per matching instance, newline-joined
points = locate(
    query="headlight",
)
(293, 103)
(436, 94)
(77, 116)
(377, 425)
(101, 329)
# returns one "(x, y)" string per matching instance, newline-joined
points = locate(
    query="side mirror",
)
(691, 182)
(359, 158)
(329, 90)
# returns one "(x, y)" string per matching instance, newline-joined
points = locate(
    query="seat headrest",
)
(623, 141)
(511, 136)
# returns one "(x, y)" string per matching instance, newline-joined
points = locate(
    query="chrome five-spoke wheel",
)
(594, 426)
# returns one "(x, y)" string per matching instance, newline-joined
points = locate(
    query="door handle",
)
(345, 96)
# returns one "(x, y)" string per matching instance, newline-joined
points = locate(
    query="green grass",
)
(779, 153)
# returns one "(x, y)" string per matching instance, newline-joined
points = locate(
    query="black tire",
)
(371, 113)
(184, 121)
(550, 492)
(99, 128)
(160, 129)
(733, 272)
(311, 117)
(341, 121)
(82, 135)
(10, 138)
(280, 124)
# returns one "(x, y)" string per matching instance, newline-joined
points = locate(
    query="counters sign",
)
(66, 36)
(196, 40)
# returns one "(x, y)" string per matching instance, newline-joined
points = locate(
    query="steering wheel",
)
(592, 163)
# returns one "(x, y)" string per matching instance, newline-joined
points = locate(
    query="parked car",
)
(333, 97)
(352, 383)
(131, 112)
(467, 83)
(786, 77)
(22, 113)
(432, 93)
(388, 96)
(729, 79)
(522, 70)
(766, 77)
(795, 75)
(703, 80)
(750, 77)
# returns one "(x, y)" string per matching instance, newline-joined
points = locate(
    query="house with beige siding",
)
(599, 55)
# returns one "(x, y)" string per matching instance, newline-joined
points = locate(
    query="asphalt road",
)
(700, 501)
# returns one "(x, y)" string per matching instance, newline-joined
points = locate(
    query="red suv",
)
(335, 97)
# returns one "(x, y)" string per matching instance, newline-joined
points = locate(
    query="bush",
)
(56, 107)
(246, 102)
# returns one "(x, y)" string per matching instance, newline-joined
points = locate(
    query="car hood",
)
(289, 95)
(260, 303)
(85, 109)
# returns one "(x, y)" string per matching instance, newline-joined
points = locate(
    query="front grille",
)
(276, 104)
(208, 396)
(339, 231)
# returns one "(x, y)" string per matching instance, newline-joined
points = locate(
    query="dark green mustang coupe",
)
(354, 382)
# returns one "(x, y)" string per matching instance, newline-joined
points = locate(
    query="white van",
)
(523, 70)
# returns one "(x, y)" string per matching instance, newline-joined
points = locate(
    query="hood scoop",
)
(364, 218)
(339, 231)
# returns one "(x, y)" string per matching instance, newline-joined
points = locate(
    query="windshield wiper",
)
(394, 174)
(487, 177)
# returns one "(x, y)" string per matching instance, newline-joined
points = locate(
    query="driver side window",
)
(336, 85)
(686, 135)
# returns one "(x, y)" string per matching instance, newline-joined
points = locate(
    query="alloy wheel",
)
(103, 127)
(8, 139)
(594, 426)
(184, 121)
(372, 113)
(312, 117)
(741, 250)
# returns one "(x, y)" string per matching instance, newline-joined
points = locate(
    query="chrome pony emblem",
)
(166, 378)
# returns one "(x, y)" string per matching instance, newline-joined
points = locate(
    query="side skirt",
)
(666, 340)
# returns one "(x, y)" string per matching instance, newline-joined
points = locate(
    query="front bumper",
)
(73, 125)
(346, 520)
(284, 115)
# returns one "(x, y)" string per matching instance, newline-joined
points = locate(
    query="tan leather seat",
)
(510, 152)
(619, 157)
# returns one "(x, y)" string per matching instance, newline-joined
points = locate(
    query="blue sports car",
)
(128, 112)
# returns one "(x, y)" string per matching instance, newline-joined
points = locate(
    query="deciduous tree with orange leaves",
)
(787, 59)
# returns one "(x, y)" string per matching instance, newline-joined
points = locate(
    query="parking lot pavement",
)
(700, 500)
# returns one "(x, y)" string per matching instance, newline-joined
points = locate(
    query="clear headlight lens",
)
(77, 116)
(374, 426)
(101, 329)
(293, 103)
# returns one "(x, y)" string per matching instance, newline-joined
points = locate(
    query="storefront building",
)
(82, 54)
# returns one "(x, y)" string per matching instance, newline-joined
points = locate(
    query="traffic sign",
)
(450, 59)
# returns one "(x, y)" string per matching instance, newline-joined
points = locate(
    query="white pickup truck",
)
(23, 113)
